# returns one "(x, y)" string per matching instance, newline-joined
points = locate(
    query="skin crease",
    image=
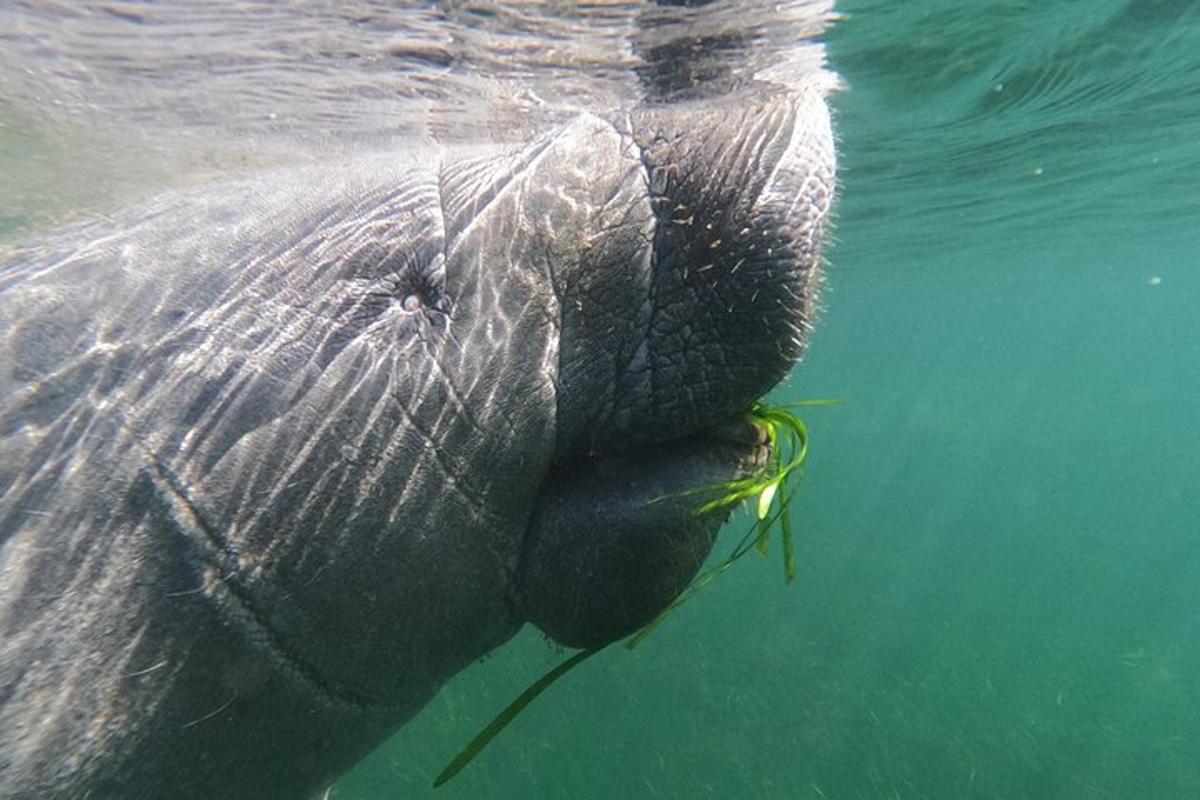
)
(279, 457)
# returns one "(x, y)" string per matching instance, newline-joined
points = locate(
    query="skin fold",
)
(279, 457)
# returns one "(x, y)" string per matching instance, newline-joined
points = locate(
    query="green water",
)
(1000, 546)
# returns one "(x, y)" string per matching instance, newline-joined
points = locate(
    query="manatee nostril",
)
(412, 303)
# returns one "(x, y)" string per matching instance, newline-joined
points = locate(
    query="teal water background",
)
(999, 594)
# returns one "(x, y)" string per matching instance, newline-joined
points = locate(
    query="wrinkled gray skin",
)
(280, 457)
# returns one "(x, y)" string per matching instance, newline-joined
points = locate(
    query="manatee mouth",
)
(737, 432)
(617, 534)
(716, 297)
(733, 448)
(736, 448)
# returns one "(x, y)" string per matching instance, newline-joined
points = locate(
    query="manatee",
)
(282, 453)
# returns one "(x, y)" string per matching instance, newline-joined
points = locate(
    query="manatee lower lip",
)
(616, 535)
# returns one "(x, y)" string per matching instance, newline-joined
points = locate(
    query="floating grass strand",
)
(771, 493)
(509, 713)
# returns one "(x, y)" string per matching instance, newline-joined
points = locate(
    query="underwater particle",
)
(1037, 172)
(1154, 280)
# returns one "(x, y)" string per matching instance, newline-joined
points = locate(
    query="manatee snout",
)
(618, 536)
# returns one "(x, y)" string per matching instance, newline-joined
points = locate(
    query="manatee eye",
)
(416, 291)
(391, 278)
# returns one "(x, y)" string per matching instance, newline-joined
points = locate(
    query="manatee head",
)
(278, 457)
